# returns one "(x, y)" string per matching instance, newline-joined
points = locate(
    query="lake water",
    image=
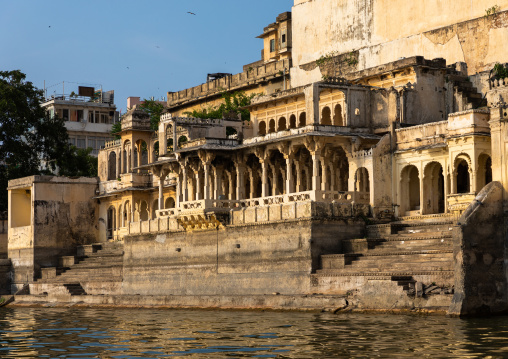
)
(130, 333)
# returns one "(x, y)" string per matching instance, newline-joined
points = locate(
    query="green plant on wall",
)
(492, 10)
(232, 105)
(500, 71)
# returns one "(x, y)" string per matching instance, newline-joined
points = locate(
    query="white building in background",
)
(89, 116)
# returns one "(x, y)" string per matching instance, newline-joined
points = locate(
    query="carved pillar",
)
(298, 177)
(185, 184)
(132, 156)
(240, 185)
(219, 171)
(289, 175)
(264, 179)
(140, 156)
(119, 164)
(324, 181)
(162, 177)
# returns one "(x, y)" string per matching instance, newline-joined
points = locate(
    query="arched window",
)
(463, 181)
(326, 116)
(262, 128)
(410, 189)
(282, 124)
(303, 120)
(292, 121)
(170, 203)
(271, 128)
(337, 116)
(112, 166)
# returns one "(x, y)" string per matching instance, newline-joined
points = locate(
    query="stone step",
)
(75, 289)
(448, 274)
(84, 279)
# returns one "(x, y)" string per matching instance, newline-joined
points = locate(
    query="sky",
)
(136, 48)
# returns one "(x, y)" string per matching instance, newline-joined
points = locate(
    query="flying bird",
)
(188, 12)
(128, 68)
(157, 47)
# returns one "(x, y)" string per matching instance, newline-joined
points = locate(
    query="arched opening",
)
(462, 176)
(112, 166)
(155, 152)
(143, 211)
(143, 151)
(337, 116)
(119, 220)
(410, 189)
(292, 121)
(271, 126)
(169, 136)
(326, 116)
(253, 190)
(302, 122)
(155, 207)
(282, 124)
(182, 140)
(277, 173)
(126, 157)
(342, 170)
(484, 175)
(362, 180)
(303, 170)
(111, 225)
(169, 203)
(262, 128)
(126, 214)
(433, 189)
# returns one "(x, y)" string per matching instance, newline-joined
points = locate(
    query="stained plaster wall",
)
(259, 258)
(479, 251)
(63, 216)
(375, 33)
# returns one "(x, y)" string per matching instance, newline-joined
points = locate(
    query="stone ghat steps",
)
(75, 289)
(396, 243)
(387, 275)
(96, 262)
(412, 260)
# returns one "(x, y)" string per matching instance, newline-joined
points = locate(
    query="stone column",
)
(132, 158)
(324, 182)
(316, 179)
(289, 175)
(118, 164)
(240, 186)
(264, 179)
(251, 178)
(140, 156)
(162, 178)
(298, 177)
(185, 185)
(198, 185)
(206, 167)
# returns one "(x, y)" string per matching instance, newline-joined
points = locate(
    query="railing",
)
(317, 196)
(111, 144)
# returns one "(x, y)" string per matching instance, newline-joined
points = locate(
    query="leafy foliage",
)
(500, 71)
(29, 137)
(154, 109)
(77, 162)
(492, 10)
(232, 107)
(117, 127)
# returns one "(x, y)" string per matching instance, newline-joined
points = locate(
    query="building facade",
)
(374, 179)
(88, 119)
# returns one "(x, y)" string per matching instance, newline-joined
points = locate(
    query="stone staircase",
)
(466, 96)
(96, 269)
(415, 256)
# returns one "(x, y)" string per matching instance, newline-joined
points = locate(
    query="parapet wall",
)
(249, 76)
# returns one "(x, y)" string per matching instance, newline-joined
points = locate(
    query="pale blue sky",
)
(137, 48)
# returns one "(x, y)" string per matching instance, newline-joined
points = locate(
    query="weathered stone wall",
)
(369, 33)
(480, 252)
(243, 259)
(63, 215)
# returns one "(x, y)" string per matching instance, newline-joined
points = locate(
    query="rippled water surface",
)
(128, 333)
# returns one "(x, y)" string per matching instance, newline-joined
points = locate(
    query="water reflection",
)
(118, 333)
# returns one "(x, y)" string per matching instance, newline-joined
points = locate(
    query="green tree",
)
(115, 129)
(231, 107)
(29, 137)
(154, 109)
